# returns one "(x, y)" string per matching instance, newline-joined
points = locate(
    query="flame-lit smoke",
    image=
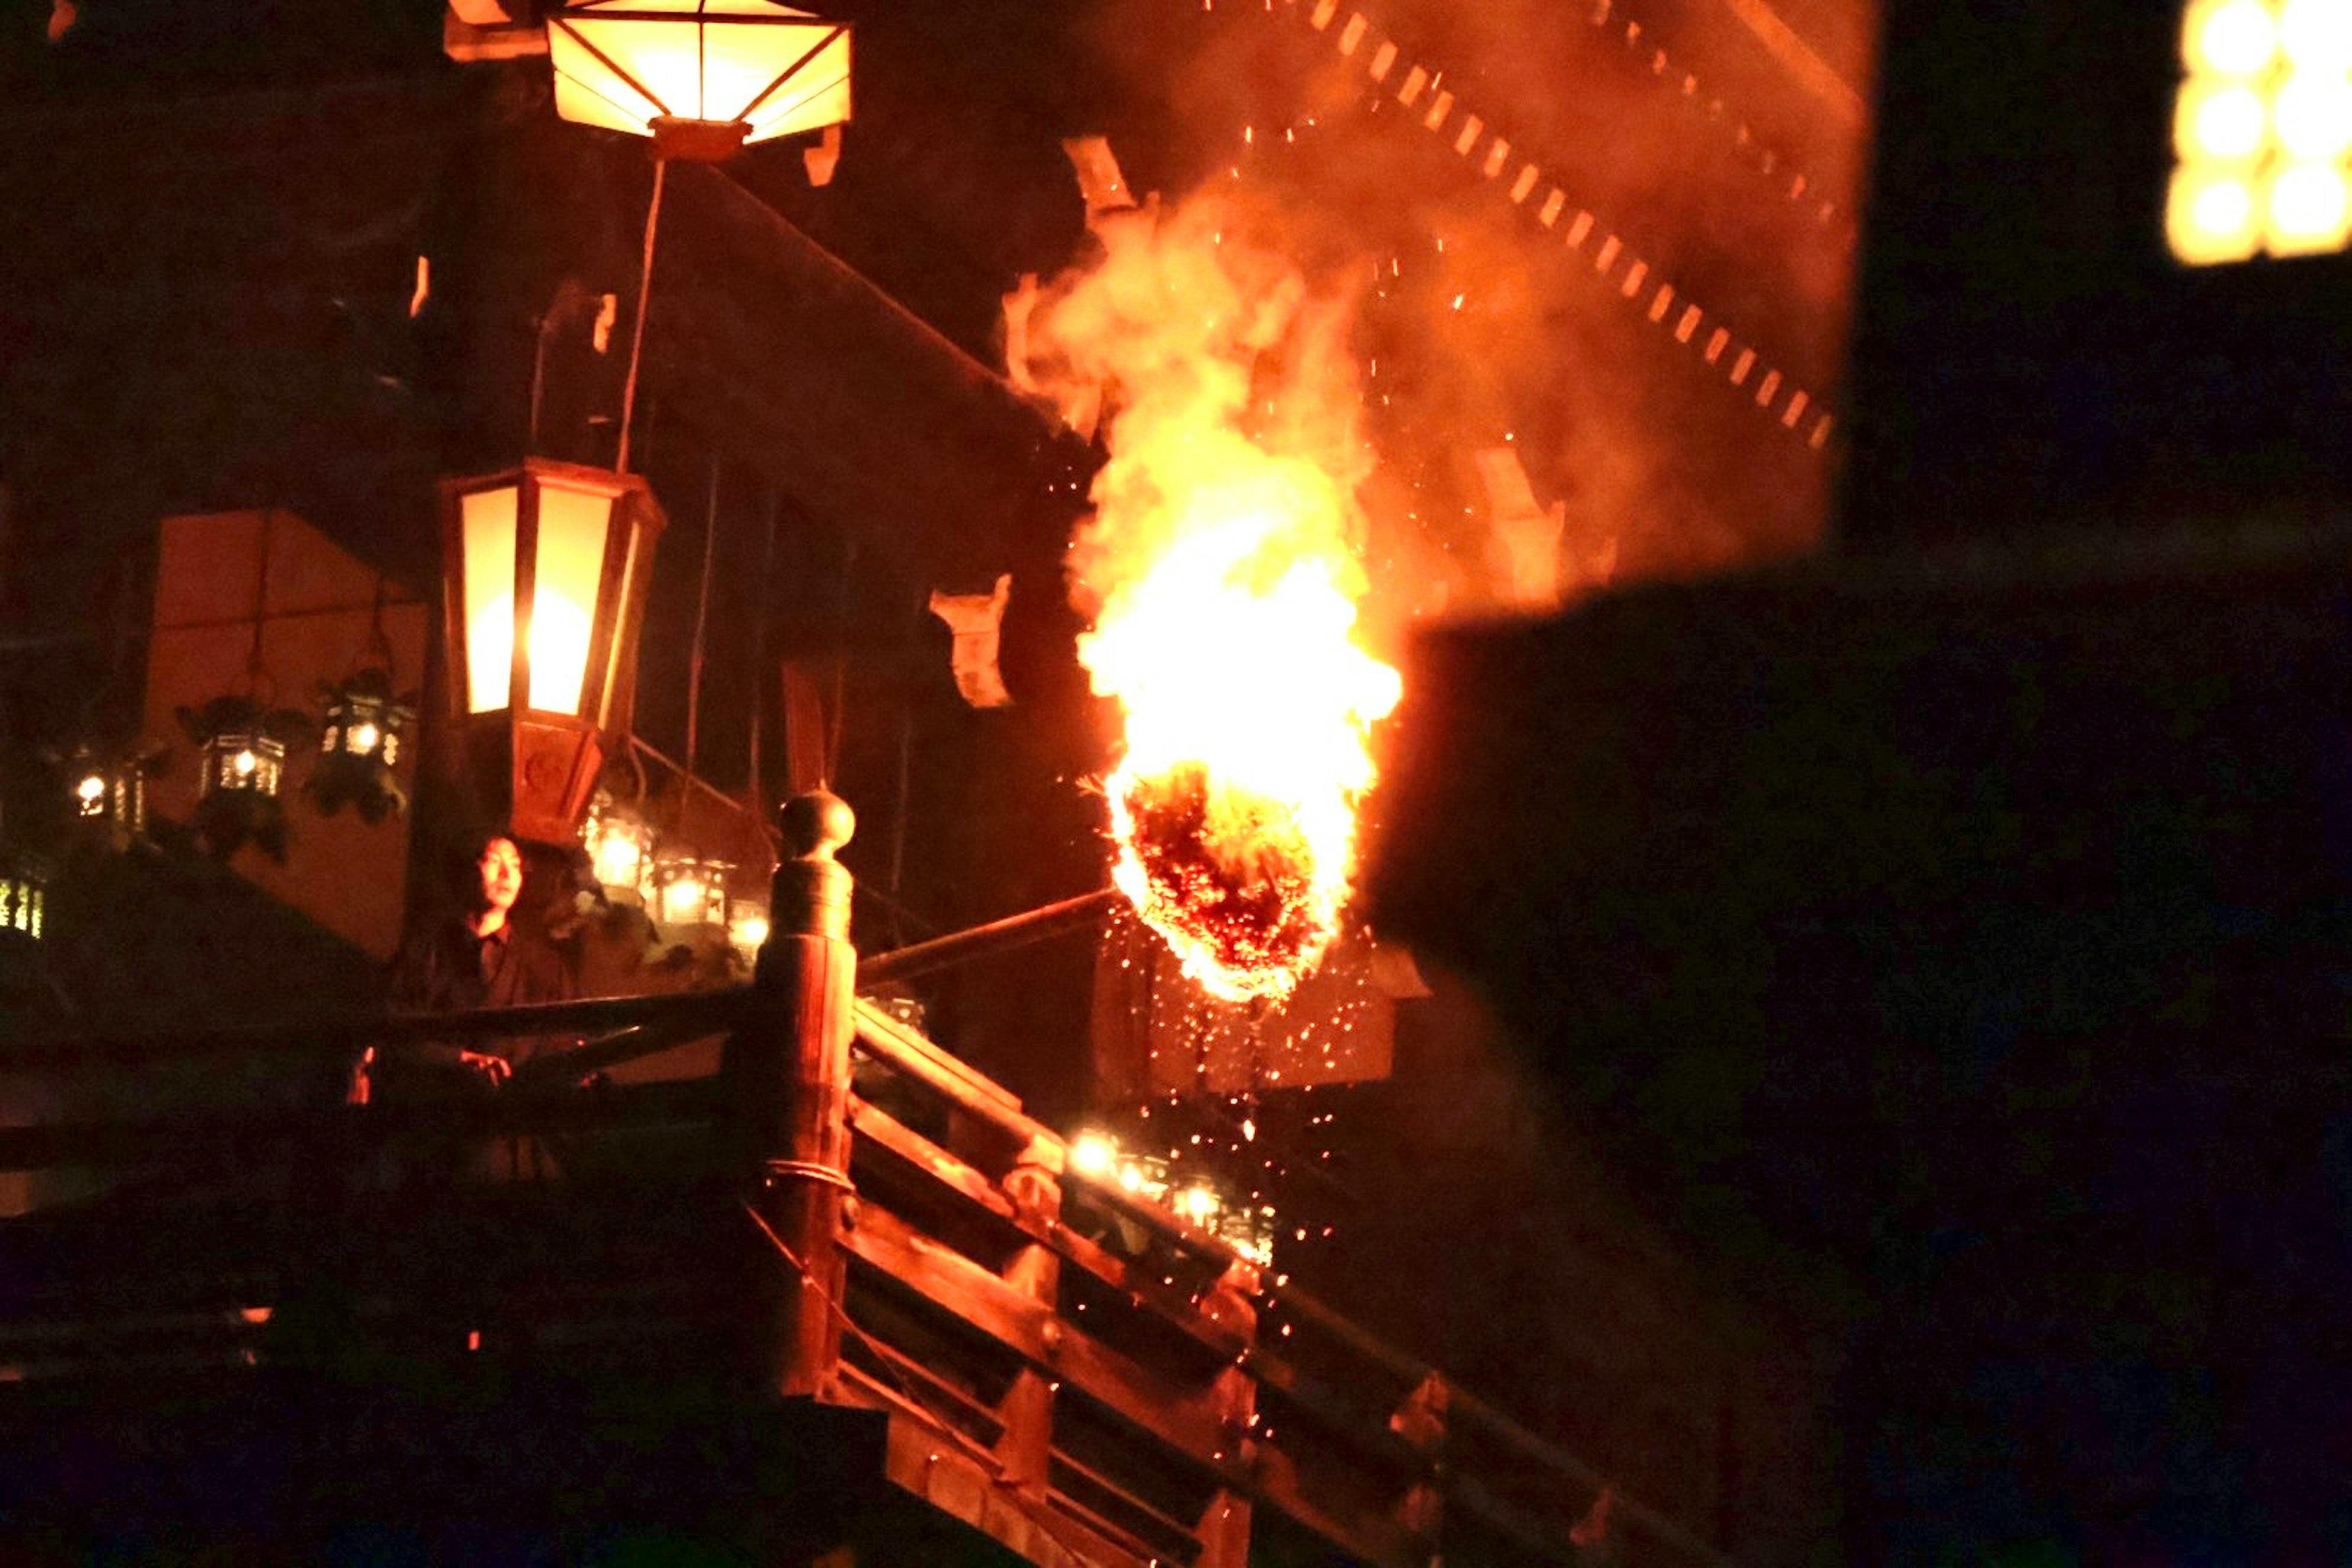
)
(1220, 574)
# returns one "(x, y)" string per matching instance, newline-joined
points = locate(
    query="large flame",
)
(1220, 572)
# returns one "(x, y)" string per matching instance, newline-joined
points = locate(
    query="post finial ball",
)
(816, 824)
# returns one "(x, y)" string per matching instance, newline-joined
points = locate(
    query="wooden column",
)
(788, 1072)
(1027, 1446)
(1223, 1529)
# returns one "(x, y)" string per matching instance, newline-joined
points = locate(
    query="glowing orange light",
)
(755, 67)
(1223, 589)
(553, 556)
(2263, 129)
(2313, 110)
(2231, 37)
(559, 652)
(2316, 35)
(2221, 119)
(2310, 209)
(2211, 216)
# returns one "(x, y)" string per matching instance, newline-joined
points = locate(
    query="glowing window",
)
(2262, 132)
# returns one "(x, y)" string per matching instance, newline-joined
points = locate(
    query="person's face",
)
(501, 874)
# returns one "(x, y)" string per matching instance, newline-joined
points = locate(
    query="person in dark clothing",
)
(478, 956)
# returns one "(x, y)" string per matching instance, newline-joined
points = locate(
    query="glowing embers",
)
(1247, 704)
(2262, 130)
(1247, 1227)
(1224, 875)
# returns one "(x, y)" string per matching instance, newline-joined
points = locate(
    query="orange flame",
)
(1220, 572)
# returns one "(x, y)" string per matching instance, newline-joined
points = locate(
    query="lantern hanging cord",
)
(378, 643)
(124, 587)
(757, 794)
(636, 771)
(253, 672)
(638, 328)
(840, 668)
(701, 618)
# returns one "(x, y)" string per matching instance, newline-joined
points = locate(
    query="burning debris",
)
(1222, 873)
(1221, 577)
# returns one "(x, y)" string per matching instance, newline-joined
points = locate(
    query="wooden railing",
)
(1111, 1365)
(1064, 1365)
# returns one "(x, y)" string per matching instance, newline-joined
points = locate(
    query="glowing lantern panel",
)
(690, 893)
(24, 896)
(113, 795)
(570, 564)
(238, 761)
(701, 76)
(747, 925)
(364, 727)
(620, 849)
(2261, 131)
(547, 567)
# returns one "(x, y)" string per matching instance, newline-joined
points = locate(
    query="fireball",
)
(1246, 703)
(1222, 579)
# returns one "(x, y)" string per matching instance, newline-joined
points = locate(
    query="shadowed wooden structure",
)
(843, 1295)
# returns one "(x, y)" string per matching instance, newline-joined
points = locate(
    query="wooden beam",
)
(886, 1132)
(1173, 1306)
(921, 1460)
(806, 371)
(1183, 1420)
(887, 1040)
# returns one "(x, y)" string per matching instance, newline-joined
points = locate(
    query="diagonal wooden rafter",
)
(1726, 351)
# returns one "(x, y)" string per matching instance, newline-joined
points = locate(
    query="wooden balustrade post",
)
(787, 1073)
(1027, 1448)
(1224, 1528)
(1419, 1420)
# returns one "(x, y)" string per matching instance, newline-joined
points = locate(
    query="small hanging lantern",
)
(360, 745)
(107, 794)
(620, 844)
(747, 926)
(1249, 1231)
(546, 568)
(689, 891)
(362, 721)
(242, 748)
(24, 894)
(249, 761)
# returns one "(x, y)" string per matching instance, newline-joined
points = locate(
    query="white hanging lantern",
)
(620, 846)
(689, 893)
(702, 77)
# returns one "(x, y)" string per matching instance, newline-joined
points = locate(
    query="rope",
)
(811, 1171)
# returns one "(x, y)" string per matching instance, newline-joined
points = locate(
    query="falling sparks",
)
(1222, 583)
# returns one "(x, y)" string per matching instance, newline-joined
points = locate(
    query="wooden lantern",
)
(545, 571)
(703, 78)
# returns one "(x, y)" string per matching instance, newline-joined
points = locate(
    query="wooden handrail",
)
(259, 1137)
(1461, 1403)
(1012, 932)
(884, 1037)
(892, 1041)
(345, 1033)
